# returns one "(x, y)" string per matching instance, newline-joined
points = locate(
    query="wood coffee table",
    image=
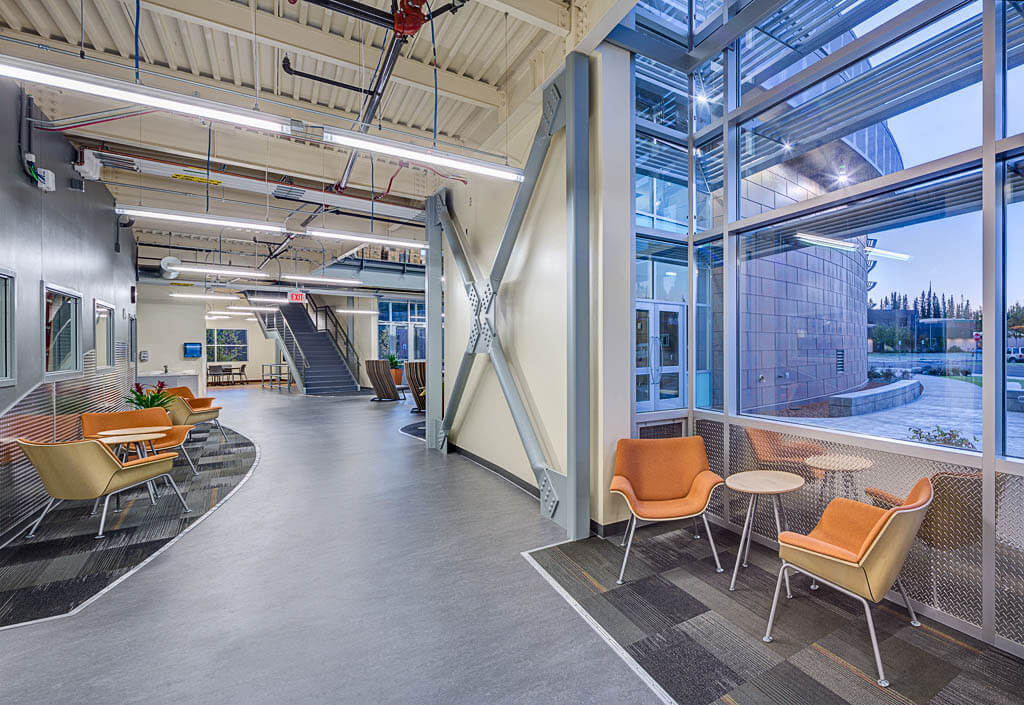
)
(757, 483)
(847, 465)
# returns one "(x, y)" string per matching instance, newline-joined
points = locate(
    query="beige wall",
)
(531, 315)
(532, 305)
(166, 323)
(362, 328)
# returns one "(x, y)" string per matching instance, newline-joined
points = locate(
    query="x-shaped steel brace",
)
(483, 298)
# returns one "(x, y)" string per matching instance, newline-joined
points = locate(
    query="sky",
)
(945, 253)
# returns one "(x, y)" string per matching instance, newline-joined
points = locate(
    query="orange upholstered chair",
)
(174, 439)
(664, 479)
(858, 549)
(195, 402)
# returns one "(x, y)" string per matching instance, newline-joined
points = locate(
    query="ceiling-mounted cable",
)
(138, 12)
(209, 144)
(433, 47)
(255, 57)
(505, 89)
(81, 43)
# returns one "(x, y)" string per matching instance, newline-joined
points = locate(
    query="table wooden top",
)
(134, 430)
(131, 438)
(839, 463)
(764, 482)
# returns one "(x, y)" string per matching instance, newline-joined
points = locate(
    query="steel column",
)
(577, 228)
(435, 351)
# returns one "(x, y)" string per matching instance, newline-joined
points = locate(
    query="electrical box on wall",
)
(47, 180)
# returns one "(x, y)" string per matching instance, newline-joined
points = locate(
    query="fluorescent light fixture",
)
(886, 254)
(826, 242)
(359, 237)
(266, 300)
(123, 91)
(212, 297)
(251, 319)
(200, 218)
(226, 314)
(269, 309)
(216, 318)
(347, 311)
(311, 278)
(203, 269)
(423, 155)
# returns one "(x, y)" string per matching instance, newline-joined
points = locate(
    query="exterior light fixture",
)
(268, 309)
(122, 91)
(787, 146)
(203, 269)
(886, 254)
(348, 311)
(423, 155)
(311, 278)
(359, 237)
(826, 242)
(212, 297)
(199, 218)
(702, 99)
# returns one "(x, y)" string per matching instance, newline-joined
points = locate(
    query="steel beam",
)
(577, 228)
(435, 326)
(574, 512)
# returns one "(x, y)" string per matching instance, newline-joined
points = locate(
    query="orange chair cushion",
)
(93, 423)
(173, 438)
(695, 502)
(660, 468)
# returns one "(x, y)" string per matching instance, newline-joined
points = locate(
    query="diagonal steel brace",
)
(483, 293)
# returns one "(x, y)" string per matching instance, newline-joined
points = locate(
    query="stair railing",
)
(277, 324)
(324, 319)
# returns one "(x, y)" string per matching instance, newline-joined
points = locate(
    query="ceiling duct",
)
(182, 172)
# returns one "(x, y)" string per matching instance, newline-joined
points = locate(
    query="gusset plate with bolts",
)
(483, 294)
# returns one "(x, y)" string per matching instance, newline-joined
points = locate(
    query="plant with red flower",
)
(142, 398)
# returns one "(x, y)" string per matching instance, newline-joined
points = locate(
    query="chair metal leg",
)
(174, 487)
(767, 638)
(103, 517)
(46, 510)
(906, 601)
(625, 534)
(189, 459)
(629, 545)
(220, 428)
(743, 539)
(750, 531)
(152, 492)
(874, 644)
(95, 507)
(696, 529)
(711, 541)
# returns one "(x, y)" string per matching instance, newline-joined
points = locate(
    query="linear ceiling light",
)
(129, 93)
(203, 269)
(269, 309)
(326, 280)
(423, 155)
(216, 318)
(887, 254)
(180, 217)
(826, 242)
(216, 297)
(226, 314)
(266, 300)
(359, 237)
(355, 310)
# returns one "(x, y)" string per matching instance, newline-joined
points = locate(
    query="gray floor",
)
(353, 567)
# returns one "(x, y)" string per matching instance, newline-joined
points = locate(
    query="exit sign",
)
(297, 297)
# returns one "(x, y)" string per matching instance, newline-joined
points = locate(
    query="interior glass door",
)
(670, 360)
(644, 339)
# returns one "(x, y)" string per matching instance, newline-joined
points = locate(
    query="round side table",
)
(757, 483)
(832, 464)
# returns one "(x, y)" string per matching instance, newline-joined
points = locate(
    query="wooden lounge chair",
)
(416, 376)
(383, 383)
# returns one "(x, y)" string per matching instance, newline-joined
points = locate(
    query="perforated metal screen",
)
(50, 412)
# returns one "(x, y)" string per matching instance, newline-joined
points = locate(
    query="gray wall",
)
(64, 237)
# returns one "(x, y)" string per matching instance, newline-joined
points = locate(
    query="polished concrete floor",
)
(355, 566)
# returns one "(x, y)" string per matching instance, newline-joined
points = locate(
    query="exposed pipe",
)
(286, 65)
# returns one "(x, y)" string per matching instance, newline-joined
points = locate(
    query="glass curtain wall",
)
(402, 329)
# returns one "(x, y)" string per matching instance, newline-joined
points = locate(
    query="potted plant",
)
(396, 368)
(142, 398)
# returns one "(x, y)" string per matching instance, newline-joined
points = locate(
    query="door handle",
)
(655, 360)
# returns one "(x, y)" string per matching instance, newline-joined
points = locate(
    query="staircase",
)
(325, 370)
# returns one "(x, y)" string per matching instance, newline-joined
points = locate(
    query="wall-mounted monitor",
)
(193, 349)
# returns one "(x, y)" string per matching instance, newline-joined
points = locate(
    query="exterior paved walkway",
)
(353, 567)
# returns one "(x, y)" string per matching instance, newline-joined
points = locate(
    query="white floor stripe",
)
(133, 571)
(658, 691)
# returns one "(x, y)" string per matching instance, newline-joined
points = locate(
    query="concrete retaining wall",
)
(877, 399)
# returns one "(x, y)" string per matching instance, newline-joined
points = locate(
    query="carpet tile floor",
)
(64, 564)
(675, 617)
